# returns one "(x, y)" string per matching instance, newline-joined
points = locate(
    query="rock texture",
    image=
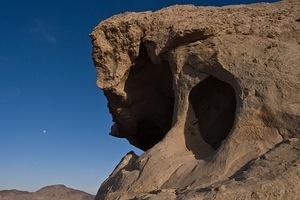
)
(54, 192)
(211, 94)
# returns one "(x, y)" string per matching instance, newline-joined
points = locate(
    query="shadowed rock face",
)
(146, 115)
(212, 97)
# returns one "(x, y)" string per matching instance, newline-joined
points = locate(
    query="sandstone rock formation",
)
(211, 94)
(53, 192)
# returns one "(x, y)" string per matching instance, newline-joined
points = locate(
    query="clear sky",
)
(54, 123)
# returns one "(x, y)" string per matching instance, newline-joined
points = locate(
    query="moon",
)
(44, 131)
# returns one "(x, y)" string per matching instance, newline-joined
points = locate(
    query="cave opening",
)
(149, 88)
(214, 105)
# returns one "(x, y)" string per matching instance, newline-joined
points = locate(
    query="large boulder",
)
(211, 94)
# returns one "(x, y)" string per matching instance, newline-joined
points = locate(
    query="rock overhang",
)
(173, 77)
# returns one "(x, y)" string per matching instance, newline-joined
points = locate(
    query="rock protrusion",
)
(204, 91)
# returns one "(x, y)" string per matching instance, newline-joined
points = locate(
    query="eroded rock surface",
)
(211, 94)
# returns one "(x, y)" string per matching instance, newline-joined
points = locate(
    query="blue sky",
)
(54, 123)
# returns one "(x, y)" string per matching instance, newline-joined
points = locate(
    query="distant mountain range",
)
(53, 192)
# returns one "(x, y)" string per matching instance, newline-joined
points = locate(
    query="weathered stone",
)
(212, 96)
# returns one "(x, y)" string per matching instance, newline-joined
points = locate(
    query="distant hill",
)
(53, 192)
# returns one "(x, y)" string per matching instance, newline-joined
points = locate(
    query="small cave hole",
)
(214, 105)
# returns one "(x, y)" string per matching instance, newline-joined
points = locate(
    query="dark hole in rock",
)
(149, 88)
(214, 104)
